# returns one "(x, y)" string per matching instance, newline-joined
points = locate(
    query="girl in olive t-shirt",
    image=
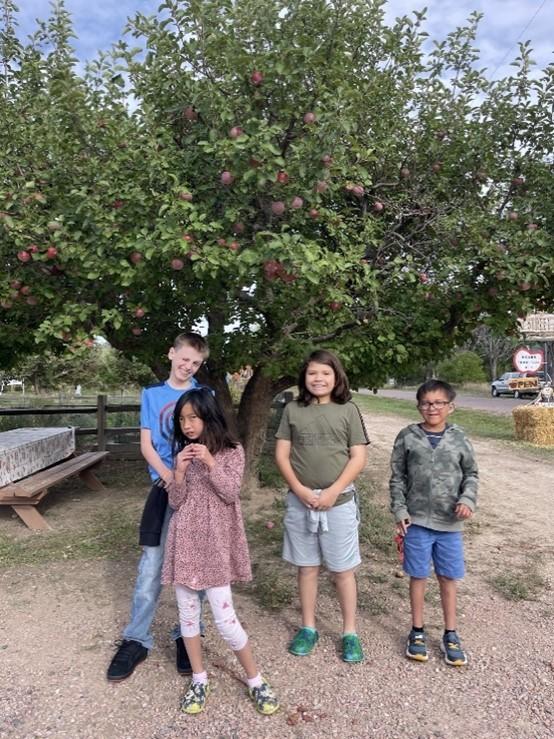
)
(321, 449)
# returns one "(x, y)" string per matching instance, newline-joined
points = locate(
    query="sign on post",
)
(528, 360)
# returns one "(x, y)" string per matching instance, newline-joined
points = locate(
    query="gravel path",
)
(58, 622)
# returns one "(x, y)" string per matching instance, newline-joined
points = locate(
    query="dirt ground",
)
(58, 622)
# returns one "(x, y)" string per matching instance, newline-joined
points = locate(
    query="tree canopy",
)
(288, 174)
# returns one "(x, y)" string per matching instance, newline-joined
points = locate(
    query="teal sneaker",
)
(451, 647)
(352, 648)
(303, 642)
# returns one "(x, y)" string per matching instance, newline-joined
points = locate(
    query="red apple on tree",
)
(513, 215)
(89, 343)
(423, 277)
(31, 300)
(222, 242)
(235, 132)
(516, 181)
(177, 264)
(269, 525)
(282, 177)
(227, 178)
(136, 257)
(139, 312)
(532, 226)
(309, 118)
(436, 167)
(188, 238)
(326, 160)
(334, 305)
(238, 227)
(358, 191)
(136, 330)
(313, 213)
(33, 248)
(405, 173)
(321, 186)
(185, 195)
(272, 269)
(117, 204)
(51, 252)
(256, 78)
(23, 256)
(278, 207)
(25, 290)
(378, 206)
(16, 284)
(190, 114)
(234, 246)
(296, 202)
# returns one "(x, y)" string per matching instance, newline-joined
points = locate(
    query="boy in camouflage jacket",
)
(433, 489)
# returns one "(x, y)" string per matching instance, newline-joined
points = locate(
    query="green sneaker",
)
(304, 641)
(194, 699)
(264, 699)
(352, 648)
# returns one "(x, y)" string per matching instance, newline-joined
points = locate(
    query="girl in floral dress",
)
(206, 546)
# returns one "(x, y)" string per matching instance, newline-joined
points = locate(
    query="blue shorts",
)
(444, 548)
(337, 548)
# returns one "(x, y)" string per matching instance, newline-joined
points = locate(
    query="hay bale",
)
(535, 424)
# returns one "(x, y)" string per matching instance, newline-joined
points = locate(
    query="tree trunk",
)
(253, 416)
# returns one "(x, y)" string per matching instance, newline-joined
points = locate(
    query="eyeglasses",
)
(435, 404)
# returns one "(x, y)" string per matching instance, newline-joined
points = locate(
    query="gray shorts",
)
(338, 548)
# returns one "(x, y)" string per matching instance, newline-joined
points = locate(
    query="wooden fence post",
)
(101, 421)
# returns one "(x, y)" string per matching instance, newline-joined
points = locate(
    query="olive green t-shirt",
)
(321, 437)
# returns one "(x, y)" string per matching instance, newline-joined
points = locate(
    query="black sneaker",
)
(182, 659)
(130, 654)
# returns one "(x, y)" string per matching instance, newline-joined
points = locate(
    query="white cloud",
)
(98, 24)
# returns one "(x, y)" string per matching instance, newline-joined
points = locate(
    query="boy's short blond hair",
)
(196, 341)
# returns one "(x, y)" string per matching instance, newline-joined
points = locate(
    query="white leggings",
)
(221, 603)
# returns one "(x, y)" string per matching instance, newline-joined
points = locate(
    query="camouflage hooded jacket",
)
(426, 484)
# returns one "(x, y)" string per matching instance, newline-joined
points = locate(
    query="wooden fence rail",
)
(128, 450)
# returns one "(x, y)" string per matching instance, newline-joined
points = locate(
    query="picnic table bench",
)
(19, 453)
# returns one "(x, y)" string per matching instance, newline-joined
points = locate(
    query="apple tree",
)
(285, 175)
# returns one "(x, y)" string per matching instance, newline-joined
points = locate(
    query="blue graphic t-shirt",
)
(157, 404)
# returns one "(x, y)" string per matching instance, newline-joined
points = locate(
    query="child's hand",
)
(463, 511)
(202, 454)
(403, 526)
(183, 459)
(326, 500)
(307, 496)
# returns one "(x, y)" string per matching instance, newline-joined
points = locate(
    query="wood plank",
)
(31, 517)
(33, 484)
(90, 480)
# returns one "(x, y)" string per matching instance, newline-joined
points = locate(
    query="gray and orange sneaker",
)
(416, 647)
(451, 647)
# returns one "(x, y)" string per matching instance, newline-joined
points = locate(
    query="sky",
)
(98, 23)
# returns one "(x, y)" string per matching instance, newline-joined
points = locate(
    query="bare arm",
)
(282, 458)
(152, 456)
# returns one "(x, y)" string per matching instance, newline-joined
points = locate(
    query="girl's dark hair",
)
(216, 434)
(341, 392)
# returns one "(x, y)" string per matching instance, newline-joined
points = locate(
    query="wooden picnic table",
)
(32, 460)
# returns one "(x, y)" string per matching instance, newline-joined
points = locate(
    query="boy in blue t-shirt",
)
(188, 353)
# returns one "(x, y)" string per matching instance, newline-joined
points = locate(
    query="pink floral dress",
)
(206, 545)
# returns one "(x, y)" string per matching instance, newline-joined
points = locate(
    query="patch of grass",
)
(475, 423)
(524, 585)
(113, 535)
(268, 474)
(376, 525)
(273, 589)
